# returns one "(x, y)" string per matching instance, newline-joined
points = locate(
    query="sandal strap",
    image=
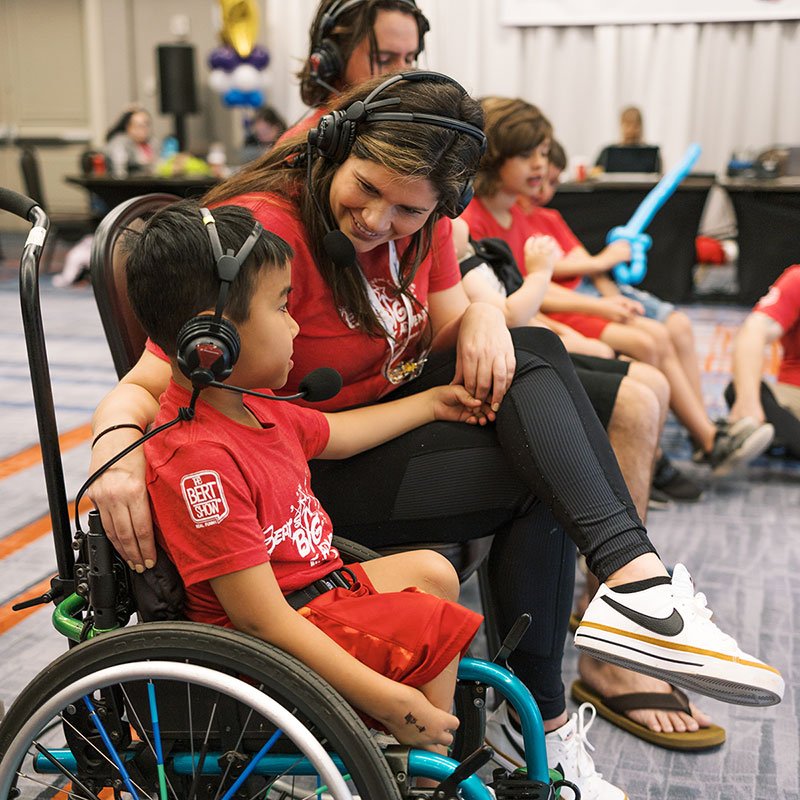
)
(676, 700)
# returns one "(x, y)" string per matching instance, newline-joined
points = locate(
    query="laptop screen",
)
(633, 158)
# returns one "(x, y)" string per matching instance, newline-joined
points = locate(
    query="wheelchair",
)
(172, 709)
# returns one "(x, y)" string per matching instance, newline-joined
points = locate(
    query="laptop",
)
(633, 158)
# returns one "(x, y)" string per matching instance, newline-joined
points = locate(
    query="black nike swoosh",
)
(664, 626)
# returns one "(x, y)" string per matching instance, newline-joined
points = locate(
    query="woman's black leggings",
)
(545, 467)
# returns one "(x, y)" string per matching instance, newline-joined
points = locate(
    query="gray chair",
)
(67, 227)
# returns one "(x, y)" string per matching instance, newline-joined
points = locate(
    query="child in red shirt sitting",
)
(230, 489)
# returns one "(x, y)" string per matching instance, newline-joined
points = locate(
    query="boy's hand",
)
(454, 403)
(415, 721)
(540, 255)
(617, 252)
(619, 308)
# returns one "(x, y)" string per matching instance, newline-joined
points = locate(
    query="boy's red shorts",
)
(408, 636)
(587, 324)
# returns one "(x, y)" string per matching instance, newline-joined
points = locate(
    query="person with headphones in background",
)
(365, 202)
(352, 41)
(229, 483)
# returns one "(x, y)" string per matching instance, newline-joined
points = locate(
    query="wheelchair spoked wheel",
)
(185, 711)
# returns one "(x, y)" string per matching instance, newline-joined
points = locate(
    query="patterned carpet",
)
(741, 543)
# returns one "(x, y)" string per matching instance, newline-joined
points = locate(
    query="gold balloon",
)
(240, 20)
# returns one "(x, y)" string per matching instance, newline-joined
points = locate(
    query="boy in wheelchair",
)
(230, 488)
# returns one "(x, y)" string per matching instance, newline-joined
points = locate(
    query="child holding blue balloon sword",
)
(508, 172)
(591, 276)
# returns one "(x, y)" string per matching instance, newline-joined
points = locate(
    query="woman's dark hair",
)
(348, 32)
(172, 274)
(445, 157)
(121, 125)
(513, 128)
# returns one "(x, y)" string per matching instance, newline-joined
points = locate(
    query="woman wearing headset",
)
(351, 41)
(376, 293)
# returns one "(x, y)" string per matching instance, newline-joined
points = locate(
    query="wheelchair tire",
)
(281, 677)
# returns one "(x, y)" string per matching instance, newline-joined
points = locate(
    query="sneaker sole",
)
(751, 448)
(688, 668)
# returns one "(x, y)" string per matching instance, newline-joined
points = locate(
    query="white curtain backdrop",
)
(728, 86)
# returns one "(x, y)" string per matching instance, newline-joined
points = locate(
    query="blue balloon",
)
(236, 97)
(633, 232)
(259, 57)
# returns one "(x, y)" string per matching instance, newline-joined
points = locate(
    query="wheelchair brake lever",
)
(448, 788)
(518, 630)
(54, 593)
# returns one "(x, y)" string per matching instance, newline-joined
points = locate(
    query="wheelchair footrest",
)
(517, 786)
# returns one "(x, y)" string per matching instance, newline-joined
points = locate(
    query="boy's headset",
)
(208, 346)
(336, 131)
(327, 63)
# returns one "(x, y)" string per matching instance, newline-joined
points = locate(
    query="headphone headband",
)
(208, 346)
(335, 133)
(340, 7)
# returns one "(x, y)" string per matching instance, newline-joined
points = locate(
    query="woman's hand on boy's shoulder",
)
(413, 720)
(454, 403)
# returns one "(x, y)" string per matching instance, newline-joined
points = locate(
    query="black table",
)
(768, 219)
(592, 208)
(114, 191)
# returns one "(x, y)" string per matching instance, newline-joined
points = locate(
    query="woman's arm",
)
(485, 361)
(120, 494)
(255, 605)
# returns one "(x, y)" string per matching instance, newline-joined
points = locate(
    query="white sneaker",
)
(666, 631)
(566, 751)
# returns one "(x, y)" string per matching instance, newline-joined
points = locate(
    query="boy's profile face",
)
(548, 187)
(523, 174)
(267, 336)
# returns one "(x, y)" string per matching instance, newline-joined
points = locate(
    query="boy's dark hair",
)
(513, 127)
(557, 157)
(171, 270)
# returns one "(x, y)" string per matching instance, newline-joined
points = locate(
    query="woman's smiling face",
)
(373, 205)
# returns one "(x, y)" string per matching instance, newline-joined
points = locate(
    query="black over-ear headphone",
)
(208, 346)
(327, 63)
(336, 131)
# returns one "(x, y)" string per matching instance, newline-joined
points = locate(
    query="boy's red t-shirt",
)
(549, 222)
(226, 496)
(482, 224)
(782, 303)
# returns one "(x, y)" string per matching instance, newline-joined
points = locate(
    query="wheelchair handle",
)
(16, 203)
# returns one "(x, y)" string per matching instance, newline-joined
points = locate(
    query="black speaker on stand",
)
(177, 85)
